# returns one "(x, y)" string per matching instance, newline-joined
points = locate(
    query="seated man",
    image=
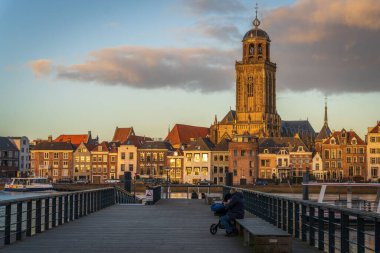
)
(235, 210)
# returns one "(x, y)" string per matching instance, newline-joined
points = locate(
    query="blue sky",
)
(71, 87)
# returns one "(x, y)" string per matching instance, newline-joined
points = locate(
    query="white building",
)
(373, 152)
(317, 166)
(22, 144)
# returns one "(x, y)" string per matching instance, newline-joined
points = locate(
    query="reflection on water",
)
(5, 195)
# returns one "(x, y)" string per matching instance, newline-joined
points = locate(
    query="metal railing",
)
(329, 228)
(24, 217)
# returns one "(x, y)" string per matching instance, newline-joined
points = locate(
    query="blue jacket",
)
(235, 207)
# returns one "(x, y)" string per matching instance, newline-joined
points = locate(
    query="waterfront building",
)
(344, 156)
(113, 159)
(317, 167)
(243, 159)
(197, 162)
(152, 159)
(77, 139)
(9, 158)
(22, 144)
(53, 160)
(373, 152)
(181, 135)
(301, 128)
(256, 112)
(82, 162)
(175, 164)
(220, 162)
(100, 163)
(283, 158)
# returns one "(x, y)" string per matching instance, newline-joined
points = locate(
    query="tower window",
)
(251, 49)
(250, 86)
(260, 49)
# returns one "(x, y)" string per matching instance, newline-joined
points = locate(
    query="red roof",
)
(75, 139)
(182, 134)
(337, 135)
(376, 129)
(122, 134)
(137, 140)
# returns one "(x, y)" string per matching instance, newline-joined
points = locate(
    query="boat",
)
(29, 184)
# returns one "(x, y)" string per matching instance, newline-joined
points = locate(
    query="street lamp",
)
(167, 169)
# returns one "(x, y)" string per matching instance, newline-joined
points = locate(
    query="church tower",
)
(256, 85)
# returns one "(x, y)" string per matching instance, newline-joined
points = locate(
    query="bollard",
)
(305, 188)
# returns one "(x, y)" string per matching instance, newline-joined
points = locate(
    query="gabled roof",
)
(376, 129)
(341, 139)
(324, 133)
(301, 127)
(182, 134)
(105, 147)
(157, 145)
(222, 145)
(274, 144)
(137, 141)
(122, 134)
(229, 118)
(6, 144)
(75, 139)
(89, 147)
(54, 146)
(202, 144)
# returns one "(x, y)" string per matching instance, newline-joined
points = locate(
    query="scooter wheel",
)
(213, 229)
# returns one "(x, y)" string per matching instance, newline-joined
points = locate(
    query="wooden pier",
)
(174, 225)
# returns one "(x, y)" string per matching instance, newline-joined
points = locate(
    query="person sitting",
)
(194, 195)
(235, 210)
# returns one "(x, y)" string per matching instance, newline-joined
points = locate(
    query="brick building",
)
(82, 162)
(9, 158)
(100, 163)
(373, 152)
(220, 162)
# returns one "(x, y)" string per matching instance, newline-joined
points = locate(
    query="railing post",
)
(19, 221)
(360, 234)
(377, 235)
(47, 213)
(66, 211)
(321, 233)
(279, 213)
(76, 195)
(29, 218)
(284, 218)
(80, 204)
(60, 209)
(303, 223)
(344, 232)
(297, 220)
(275, 209)
(53, 212)
(38, 216)
(331, 231)
(85, 204)
(311, 226)
(72, 207)
(7, 228)
(290, 217)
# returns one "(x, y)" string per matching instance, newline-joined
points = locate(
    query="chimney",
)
(89, 134)
(50, 138)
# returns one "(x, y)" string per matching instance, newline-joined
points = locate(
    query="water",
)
(5, 195)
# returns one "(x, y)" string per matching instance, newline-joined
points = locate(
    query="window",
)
(235, 152)
(142, 157)
(55, 173)
(220, 179)
(327, 154)
(372, 151)
(76, 169)
(55, 155)
(348, 159)
(99, 158)
(242, 152)
(358, 171)
(250, 173)
(94, 169)
(215, 169)
(215, 158)
(250, 164)
(87, 159)
(221, 158)
(333, 154)
(260, 49)
(317, 166)
(188, 170)
(235, 172)
(65, 164)
(32, 156)
(104, 170)
(65, 155)
(196, 157)
(196, 171)
(226, 158)
(348, 150)
(327, 165)
(94, 158)
(225, 169)
(188, 157)
(373, 139)
(250, 86)
(122, 167)
(374, 171)
(123, 155)
(55, 164)
(339, 154)
(104, 158)
(161, 157)
(131, 155)
(373, 160)
(350, 171)
(172, 162)
(204, 157)
(204, 171)
(46, 155)
(82, 158)
(178, 163)
(361, 159)
(154, 157)
(339, 164)
(221, 170)
(251, 49)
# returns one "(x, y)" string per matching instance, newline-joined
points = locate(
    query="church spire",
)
(256, 22)
(326, 121)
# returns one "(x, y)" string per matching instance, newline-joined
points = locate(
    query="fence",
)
(24, 217)
(327, 227)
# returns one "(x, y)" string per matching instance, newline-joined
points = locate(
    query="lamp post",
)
(167, 181)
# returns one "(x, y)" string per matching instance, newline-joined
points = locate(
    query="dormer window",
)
(266, 151)
(354, 141)
(300, 149)
(100, 148)
(344, 134)
(332, 141)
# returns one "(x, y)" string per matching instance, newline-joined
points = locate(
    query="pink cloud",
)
(41, 67)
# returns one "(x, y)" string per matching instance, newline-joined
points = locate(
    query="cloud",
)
(212, 6)
(331, 46)
(202, 69)
(41, 67)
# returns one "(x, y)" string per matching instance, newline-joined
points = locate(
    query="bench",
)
(263, 236)
(212, 198)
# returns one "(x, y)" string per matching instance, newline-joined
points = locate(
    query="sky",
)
(67, 67)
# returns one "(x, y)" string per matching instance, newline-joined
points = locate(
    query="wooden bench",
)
(263, 236)
(212, 198)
